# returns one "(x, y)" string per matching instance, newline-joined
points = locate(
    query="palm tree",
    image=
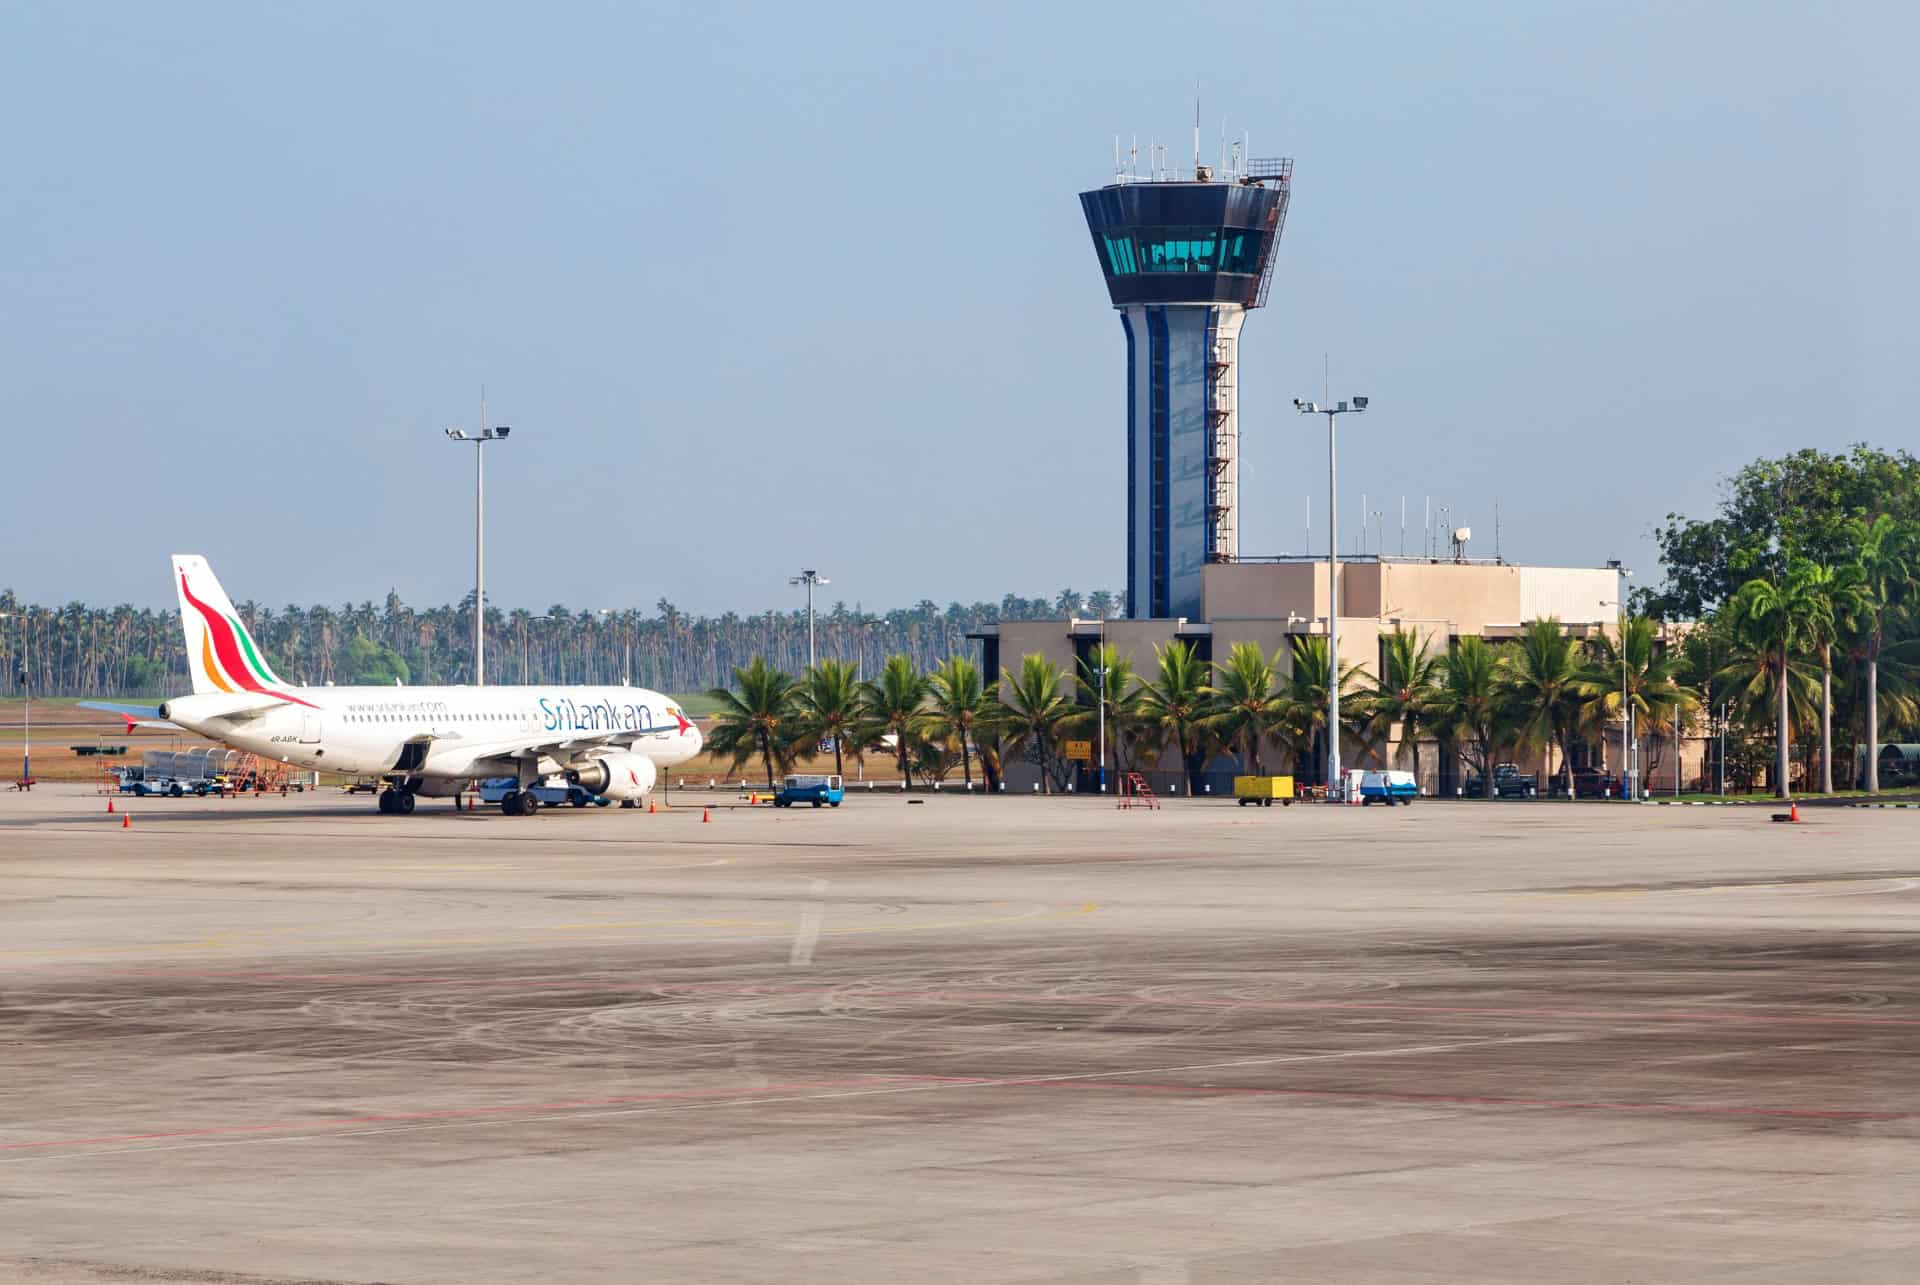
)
(755, 719)
(1402, 693)
(1033, 710)
(1654, 676)
(897, 702)
(1773, 621)
(1174, 704)
(1542, 676)
(1836, 597)
(958, 706)
(1885, 558)
(1246, 704)
(827, 705)
(1472, 707)
(1105, 677)
(1303, 705)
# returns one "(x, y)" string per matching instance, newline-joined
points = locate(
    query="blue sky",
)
(783, 286)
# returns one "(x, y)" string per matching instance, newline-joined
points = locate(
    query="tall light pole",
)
(26, 699)
(486, 434)
(809, 578)
(1333, 412)
(1626, 694)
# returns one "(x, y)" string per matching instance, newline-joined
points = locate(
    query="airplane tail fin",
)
(221, 654)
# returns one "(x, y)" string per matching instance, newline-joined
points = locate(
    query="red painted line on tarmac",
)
(1734, 1016)
(666, 1095)
(1465, 1099)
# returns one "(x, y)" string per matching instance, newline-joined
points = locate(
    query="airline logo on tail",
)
(220, 651)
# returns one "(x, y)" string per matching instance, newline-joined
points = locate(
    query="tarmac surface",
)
(964, 1040)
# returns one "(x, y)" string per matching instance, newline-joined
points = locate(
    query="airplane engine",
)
(616, 776)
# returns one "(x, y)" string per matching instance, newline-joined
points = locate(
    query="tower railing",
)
(1222, 446)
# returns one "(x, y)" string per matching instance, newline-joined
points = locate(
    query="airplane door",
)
(309, 727)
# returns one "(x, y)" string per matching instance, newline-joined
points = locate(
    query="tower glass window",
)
(1183, 250)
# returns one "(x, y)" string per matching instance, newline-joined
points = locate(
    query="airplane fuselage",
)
(443, 733)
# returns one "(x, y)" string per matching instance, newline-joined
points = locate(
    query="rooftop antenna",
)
(1133, 158)
(1496, 528)
(1196, 128)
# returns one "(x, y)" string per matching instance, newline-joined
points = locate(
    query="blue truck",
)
(1388, 787)
(816, 790)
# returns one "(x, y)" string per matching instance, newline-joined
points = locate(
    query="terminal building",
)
(1271, 601)
(1185, 256)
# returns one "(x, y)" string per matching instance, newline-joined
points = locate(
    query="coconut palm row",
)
(1479, 701)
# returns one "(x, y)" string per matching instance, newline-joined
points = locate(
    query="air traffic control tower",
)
(1185, 255)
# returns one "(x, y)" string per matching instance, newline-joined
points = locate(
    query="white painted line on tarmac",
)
(808, 934)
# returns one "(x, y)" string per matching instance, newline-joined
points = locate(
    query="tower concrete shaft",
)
(1184, 261)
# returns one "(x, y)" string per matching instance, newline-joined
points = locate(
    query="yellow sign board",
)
(1080, 751)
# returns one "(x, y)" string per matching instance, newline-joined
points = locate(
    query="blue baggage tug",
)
(816, 790)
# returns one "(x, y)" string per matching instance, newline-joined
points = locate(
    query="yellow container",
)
(1263, 790)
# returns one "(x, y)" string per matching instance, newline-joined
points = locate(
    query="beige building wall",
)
(1574, 594)
(1263, 590)
(1267, 603)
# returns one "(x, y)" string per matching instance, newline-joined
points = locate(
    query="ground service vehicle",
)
(1263, 790)
(1389, 787)
(1509, 782)
(810, 789)
(552, 795)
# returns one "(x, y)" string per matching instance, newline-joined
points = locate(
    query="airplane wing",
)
(563, 745)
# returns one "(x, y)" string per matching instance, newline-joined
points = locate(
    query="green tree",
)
(897, 702)
(1403, 694)
(1773, 620)
(1803, 505)
(1653, 677)
(1885, 562)
(827, 705)
(1104, 675)
(1471, 705)
(1303, 707)
(958, 705)
(1542, 675)
(366, 663)
(1174, 705)
(1034, 709)
(755, 716)
(1835, 597)
(1246, 706)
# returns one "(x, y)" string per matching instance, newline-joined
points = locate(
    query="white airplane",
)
(432, 741)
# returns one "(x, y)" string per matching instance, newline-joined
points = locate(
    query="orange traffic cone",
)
(706, 815)
(649, 807)
(126, 820)
(109, 807)
(1793, 812)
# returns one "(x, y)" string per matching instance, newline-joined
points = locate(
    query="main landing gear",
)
(520, 803)
(396, 802)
